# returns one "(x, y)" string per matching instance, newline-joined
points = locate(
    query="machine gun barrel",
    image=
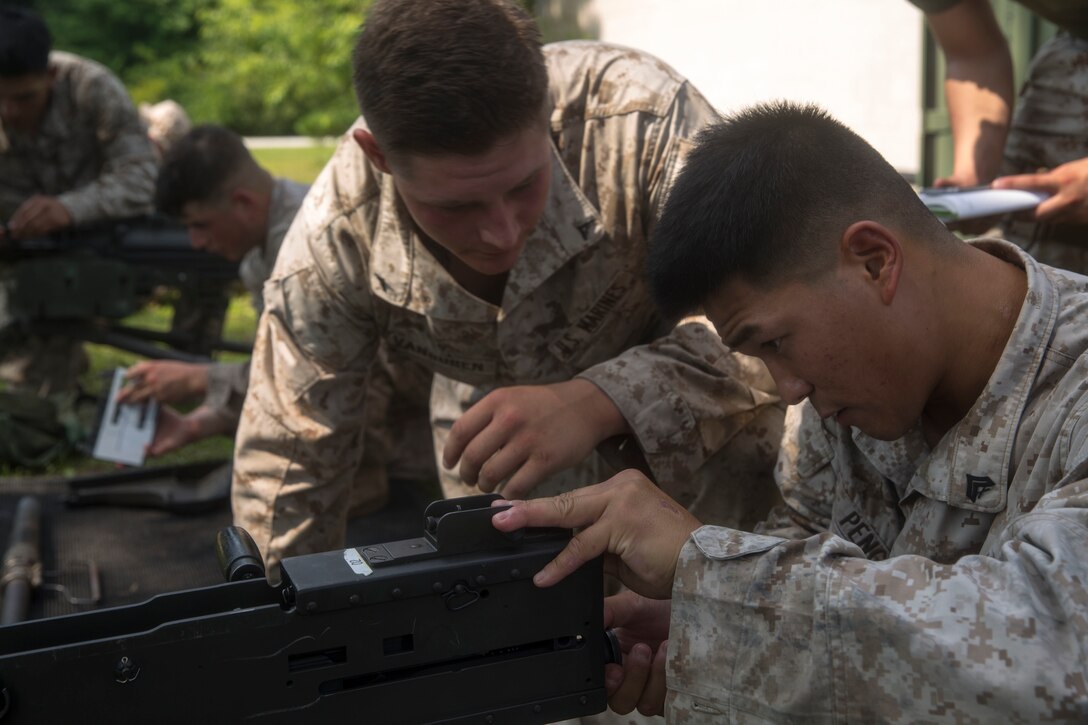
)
(22, 561)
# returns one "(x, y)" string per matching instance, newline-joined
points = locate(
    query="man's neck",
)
(488, 287)
(982, 297)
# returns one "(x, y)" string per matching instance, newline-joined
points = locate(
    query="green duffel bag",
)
(34, 430)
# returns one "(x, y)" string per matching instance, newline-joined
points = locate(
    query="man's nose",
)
(791, 388)
(199, 240)
(499, 227)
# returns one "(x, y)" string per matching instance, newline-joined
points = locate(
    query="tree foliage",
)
(276, 66)
(257, 66)
(123, 35)
(261, 67)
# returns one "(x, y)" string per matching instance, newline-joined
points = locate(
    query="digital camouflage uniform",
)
(911, 585)
(90, 151)
(1050, 128)
(92, 154)
(353, 273)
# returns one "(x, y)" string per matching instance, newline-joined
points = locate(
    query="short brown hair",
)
(198, 168)
(448, 76)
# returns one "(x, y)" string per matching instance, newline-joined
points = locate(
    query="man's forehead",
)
(739, 309)
(509, 162)
(193, 212)
(28, 84)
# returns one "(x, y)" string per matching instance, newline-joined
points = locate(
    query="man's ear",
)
(243, 197)
(247, 203)
(369, 145)
(876, 254)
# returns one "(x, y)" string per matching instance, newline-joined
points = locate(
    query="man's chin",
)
(881, 431)
(495, 265)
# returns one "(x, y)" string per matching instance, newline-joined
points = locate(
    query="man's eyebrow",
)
(741, 336)
(465, 202)
(529, 177)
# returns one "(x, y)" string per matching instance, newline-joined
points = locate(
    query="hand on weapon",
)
(639, 529)
(523, 434)
(37, 216)
(642, 627)
(166, 381)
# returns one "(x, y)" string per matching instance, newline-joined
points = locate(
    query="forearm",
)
(979, 117)
(978, 86)
(225, 389)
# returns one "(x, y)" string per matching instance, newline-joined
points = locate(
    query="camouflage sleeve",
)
(127, 182)
(227, 383)
(684, 395)
(300, 437)
(766, 629)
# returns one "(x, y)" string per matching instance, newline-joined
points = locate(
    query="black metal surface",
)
(143, 552)
(403, 644)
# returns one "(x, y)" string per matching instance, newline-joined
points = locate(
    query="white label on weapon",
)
(357, 563)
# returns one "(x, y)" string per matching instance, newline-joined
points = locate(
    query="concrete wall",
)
(859, 59)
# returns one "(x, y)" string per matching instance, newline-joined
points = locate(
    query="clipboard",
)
(954, 203)
(124, 429)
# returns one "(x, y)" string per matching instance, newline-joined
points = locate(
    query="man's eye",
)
(457, 207)
(773, 345)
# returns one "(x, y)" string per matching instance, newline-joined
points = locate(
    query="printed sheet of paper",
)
(125, 429)
(953, 204)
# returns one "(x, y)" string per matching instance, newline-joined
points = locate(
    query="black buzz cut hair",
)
(765, 196)
(25, 42)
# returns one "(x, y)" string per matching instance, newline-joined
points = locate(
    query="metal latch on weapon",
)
(461, 595)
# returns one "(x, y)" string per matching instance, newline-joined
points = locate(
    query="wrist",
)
(199, 381)
(603, 416)
(204, 423)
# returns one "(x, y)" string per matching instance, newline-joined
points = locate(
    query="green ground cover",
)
(300, 164)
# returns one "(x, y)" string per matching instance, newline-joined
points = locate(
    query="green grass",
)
(299, 164)
(239, 326)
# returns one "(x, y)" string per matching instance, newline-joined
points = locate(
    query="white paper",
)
(975, 203)
(125, 429)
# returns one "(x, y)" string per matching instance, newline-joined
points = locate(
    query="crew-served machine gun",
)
(444, 628)
(82, 281)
